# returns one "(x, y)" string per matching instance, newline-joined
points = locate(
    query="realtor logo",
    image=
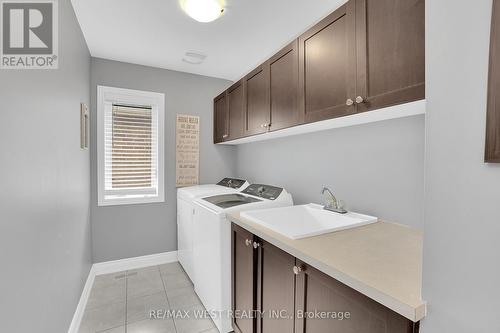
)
(29, 34)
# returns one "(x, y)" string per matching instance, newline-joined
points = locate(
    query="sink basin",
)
(303, 221)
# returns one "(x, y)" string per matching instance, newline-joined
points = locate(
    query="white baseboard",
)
(113, 267)
(82, 303)
(134, 263)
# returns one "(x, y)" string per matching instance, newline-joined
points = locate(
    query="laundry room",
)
(217, 166)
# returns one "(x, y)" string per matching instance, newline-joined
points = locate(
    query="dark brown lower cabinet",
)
(293, 297)
(243, 278)
(275, 289)
(346, 309)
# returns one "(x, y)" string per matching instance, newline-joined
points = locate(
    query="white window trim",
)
(129, 97)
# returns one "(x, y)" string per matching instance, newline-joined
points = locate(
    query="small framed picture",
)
(84, 126)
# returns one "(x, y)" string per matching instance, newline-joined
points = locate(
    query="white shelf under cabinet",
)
(392, 112)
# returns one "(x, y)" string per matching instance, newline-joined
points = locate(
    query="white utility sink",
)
(303, 221)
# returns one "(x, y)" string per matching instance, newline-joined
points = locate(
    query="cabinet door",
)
(243, 278)
(390, 37)
(275, 289)
(235, 101)
(492, 151)
(327, 69)
(283, 71)
(257, 100)
(220, 118)
(316, 291)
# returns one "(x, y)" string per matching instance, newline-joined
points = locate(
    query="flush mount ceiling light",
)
(203, 10)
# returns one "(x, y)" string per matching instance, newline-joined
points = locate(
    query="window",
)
(130, 146)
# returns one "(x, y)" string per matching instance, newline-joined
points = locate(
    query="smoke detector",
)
(193, 58)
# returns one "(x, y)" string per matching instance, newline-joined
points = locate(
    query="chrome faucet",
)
(332, 204)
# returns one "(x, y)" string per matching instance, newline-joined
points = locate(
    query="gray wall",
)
(45, 249)
(462, 196)
(375, 168)
(134, 230)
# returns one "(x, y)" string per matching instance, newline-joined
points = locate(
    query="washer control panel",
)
(232, 183)
(263, 191)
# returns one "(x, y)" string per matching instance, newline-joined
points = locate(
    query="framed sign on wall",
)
(84, 126)
(187, 150)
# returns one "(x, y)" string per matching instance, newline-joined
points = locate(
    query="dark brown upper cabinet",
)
(257, 100)
(243, 278)
(390, 52)
(236, 111)
(327, 66)
(492, 151)
(221, 124)
(283, 71)
(366, 55)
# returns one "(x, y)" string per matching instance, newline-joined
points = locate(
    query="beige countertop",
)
(382, 260)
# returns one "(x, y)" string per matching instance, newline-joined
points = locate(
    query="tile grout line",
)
(111, 303)
(166, 295)
(126, 301)
(208, 329)
(103, 305)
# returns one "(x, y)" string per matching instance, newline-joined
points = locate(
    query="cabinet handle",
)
(225, 136)
(265, 125)
(298, 269)
(256, 245)
(359, 100)
(248, 242)
(349, 102)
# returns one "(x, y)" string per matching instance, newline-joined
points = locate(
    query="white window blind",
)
(131, 150)
(131, 164)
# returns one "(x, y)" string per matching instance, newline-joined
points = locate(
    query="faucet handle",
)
(340, 205)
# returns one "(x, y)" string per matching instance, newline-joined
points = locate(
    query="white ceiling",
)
(158, 33)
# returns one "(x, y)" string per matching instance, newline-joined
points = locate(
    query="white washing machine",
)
(212, 244)
(185, 197)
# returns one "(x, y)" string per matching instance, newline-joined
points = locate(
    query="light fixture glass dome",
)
(203, 10)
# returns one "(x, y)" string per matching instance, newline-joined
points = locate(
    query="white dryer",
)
(212, 244)
(185, 197)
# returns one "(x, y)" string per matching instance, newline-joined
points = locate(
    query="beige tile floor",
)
(122, 302)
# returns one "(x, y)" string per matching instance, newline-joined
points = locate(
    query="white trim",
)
(113, 267)
(109, 95)
(131, 200)
(134, 263)
(82, 303)
(392, 112)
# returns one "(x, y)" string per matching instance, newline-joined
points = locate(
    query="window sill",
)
(129, 200)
